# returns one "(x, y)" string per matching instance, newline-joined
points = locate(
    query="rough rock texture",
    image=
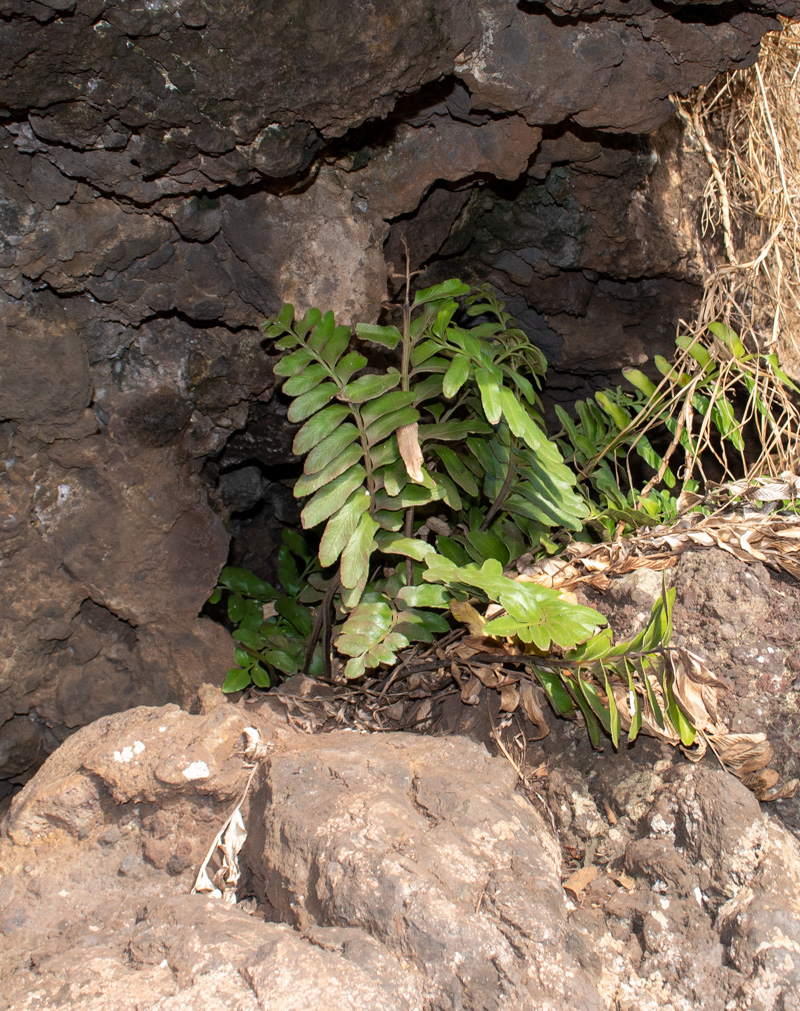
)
(742, 617)
(171, 171)
(387, 872)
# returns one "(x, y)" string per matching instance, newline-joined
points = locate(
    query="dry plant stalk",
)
(748, 126)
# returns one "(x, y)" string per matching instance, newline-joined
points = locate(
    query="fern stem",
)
(405, 369)
(498, 502)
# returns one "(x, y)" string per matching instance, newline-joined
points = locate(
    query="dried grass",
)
(748, 126)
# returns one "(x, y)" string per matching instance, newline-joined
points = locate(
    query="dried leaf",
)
(584, 876)
(509, 698)
(471, 691)
(410, 451)
(742, 754)
(487, 675)
(784, 792)
(612, 818)
(762, 780)
(625, 880)
(438, 525)
(423, 711)
(532, 709)
(464, 612)
(691, 688)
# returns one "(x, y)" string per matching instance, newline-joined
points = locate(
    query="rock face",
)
(386, 872)
(172, 171)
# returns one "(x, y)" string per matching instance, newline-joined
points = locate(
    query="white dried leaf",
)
(410, 451)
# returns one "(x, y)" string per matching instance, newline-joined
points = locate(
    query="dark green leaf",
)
(457, 469)
(248, 638)
(253, 616)
(369, 387)
(243, 658)
(488, 546)
(297, 615)
(236, 679)
(340, 527)
(297, 544)
(260, 677)
(592, 696)
(283, 661)
(336, 346)
(311, 402)
(330, 499)
(319, 427)
(557, 695)
(451, 550)
(245, 582)
(447, 491)
(386, 404)
(330, 447)
(306, 380)
(388, 336)
(237, 609)
(287, 571)
(307, 484)
(355, 557)
(453, 431)
(452, 288)
(389, 423)
(456, 375)
(613, 711)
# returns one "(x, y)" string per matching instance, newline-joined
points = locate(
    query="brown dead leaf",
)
(742, 754)
(487, 675)
(693, 689)
(533, 710)
(438, 525)
(471, 691)
(423, 711)
(509, 698)
(784, 792)
(464, 612)
(584, 876)
(625, 881)
(410, 451)
(762, 780)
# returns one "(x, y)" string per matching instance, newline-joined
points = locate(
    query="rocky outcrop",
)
(172, 171)
(389, 872)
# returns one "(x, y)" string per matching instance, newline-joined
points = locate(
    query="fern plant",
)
(453, 426)
(423, 481)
